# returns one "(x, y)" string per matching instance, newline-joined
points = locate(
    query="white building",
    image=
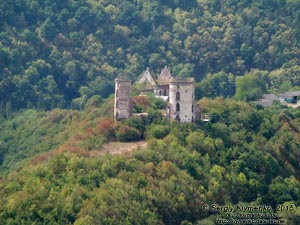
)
(182, 107)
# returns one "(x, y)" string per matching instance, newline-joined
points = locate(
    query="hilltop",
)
(61, 173)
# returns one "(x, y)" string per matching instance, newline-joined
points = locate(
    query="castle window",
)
(177, 96)
(177, 107)
(159, 93)
(117, 93)
(192, 108)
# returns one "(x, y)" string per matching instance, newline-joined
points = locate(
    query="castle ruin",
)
(182, 100)
(179, 92)
(122, 105)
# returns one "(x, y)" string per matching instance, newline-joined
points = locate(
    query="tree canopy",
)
(50, 50)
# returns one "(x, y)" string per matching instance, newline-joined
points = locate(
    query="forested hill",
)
(59, 53)
(54, 170)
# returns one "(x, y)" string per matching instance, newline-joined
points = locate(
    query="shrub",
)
(93, 102)
(140, 103)
(136, 122)
(158, 131)
(126, 133)
(106, 129)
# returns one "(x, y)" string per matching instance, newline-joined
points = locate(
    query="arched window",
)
(192, 108)
(177, 107)
(117, 93)
(177, 96)
(159, 93)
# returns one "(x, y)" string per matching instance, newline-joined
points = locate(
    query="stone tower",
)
(182, 100)
(122, 106)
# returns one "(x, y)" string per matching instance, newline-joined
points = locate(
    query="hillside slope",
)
(245, 155)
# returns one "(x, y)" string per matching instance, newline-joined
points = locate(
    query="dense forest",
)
(60, 53)
(58, 62)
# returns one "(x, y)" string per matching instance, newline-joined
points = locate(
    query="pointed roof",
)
(146, 78)
(165, 76)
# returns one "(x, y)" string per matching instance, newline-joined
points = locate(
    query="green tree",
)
(249, 87)
(279, 195)
(157, 131)
(219, 84)
(48, 29)
(195, 140)
(290, 212)
(2, 151)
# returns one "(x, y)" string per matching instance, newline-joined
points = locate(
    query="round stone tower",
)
(122, 106)
(181, 100)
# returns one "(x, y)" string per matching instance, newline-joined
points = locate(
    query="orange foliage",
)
(141, 100)
(77, 137)
(71, 147)
(106, 128)
(167, 168)
(38, 159)
(79, 151)
(89, 132)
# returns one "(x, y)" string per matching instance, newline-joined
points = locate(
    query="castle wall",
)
(122, 105)
(162, 90)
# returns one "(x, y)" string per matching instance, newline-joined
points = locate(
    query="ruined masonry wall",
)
(181, 105)
(122, 105)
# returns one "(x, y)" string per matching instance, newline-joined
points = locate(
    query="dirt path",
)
(122, 147)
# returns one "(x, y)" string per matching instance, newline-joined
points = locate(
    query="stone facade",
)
(122, 106)
(182, 106)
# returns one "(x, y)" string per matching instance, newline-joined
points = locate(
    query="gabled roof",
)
(146, 78)
(270, 97)
(165, 76)
(289, 94)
